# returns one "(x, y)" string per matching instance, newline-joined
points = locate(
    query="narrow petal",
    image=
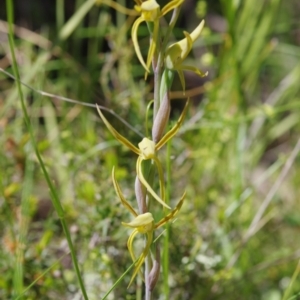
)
(171, 5)
(136, 46)
(161, 177)
(152, 47)
(130, 244)
(197, 31)
(174, 129)
(172, 214)
(142, 257)
(130, 248)
(186, 45)
(117, 135)
(146, 184)
(121, 196)
(182, 80)
(194, 69)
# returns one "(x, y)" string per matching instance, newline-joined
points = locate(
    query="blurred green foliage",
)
(231, 155)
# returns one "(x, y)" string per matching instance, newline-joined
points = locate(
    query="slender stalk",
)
(148, 266)
(148, 260)
(166, 287)
(60, 14)
(158, 62)
(291, 284)
(157, 80)
(158, 77)
(55, 199)
(23, 227)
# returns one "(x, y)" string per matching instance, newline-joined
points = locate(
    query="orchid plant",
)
(166, 60)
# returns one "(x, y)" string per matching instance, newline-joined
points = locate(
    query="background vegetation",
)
(237, 155)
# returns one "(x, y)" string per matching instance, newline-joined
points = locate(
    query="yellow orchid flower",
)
(144, 224)
(147, 150)
(150, 12)
(177, 53)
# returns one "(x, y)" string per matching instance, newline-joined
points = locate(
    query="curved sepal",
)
(136, 46)
(117, 135)
(172, 214)
(142, 257)
(146, 184)
(171, 5)
(121, 196)
(152, 48)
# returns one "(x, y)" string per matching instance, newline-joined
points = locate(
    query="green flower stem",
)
(159, 66)
(55, 199)
(158, 94)
(157, 80)
(148, 171)
(166, 288)
(158, 69)
(148, 261)
(148, 267)
(166, 83)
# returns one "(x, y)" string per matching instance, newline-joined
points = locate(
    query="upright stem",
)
(167, 233)
(158, 61)
(157, 80)
(148, 266)
(148, 260)
(157, 66)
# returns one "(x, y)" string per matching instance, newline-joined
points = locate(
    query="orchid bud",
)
(154, 273)
(161, 118)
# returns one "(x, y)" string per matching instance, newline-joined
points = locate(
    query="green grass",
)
(237, 156)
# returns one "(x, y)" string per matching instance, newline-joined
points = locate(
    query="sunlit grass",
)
(232, 151)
